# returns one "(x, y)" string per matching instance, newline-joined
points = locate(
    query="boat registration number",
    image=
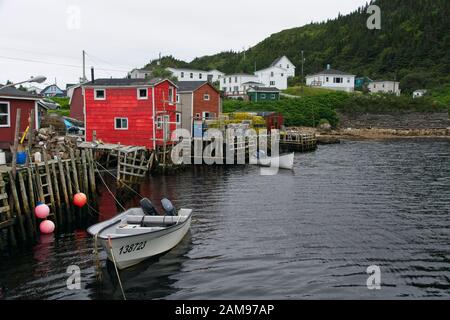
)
(132, 247)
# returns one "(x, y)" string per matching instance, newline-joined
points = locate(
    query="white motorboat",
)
(140, 233)
(285, 161)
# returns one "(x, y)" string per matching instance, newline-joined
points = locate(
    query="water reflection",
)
(311, 234)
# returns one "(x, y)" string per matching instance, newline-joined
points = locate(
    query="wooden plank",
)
(4, 209)
(74, 171)
(32, 198)
(16, 141)
(62, 179)
(26, 207)
(85, 173)
(57, 194)
(3, 196)
(6, 224)
(7, 215)
(49, 182)
(15, 196)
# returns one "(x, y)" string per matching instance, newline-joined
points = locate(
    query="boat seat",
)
(154, 220)
(135, 229)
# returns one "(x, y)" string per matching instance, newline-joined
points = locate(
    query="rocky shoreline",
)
(374, 133)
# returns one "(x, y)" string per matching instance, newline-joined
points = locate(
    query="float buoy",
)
(42, 211)
(80, 199)
(47, 227)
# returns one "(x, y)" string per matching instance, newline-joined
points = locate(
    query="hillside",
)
(413, 45)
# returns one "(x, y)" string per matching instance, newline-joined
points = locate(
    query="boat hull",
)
(131, 250)
(284, 161)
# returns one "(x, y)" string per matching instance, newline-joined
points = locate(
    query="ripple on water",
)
(311, 234)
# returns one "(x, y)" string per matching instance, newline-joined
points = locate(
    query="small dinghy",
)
(285, 161)
(141, 233)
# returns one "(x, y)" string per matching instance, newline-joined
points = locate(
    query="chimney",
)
(328, 66)
(92, 75)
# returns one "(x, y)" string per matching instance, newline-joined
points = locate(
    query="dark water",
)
(310, 234)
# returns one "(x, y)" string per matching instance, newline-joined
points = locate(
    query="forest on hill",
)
(413, 46)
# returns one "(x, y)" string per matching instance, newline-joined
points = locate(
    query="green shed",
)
(258, 94)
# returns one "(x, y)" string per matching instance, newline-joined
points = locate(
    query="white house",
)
(196, 75)
(419, 93)
(139, 74)
(285, 63)
(273, 76)
(392, 87)
(236, 85)
(332, 79)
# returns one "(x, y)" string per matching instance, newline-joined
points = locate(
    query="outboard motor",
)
(168, 207)
(147, 207)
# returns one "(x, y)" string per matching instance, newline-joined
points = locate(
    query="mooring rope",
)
(109, 190)
(115, 177)
(115, 267)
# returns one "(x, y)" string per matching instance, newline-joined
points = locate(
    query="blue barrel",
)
(21, 158)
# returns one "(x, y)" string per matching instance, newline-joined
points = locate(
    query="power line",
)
(56, 63)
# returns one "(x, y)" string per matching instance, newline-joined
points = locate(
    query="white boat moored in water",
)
(285, 161)
(139, 233)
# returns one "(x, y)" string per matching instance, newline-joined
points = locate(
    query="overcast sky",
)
(120, 35)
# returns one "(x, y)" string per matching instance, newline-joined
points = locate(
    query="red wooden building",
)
(130, 111)
(12, 99)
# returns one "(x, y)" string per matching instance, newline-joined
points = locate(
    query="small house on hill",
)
(389, 87)
(332, 79)
(53, 91)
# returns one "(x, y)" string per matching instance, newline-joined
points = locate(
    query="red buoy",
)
(80, 199)
(42, 211)
(47, 227)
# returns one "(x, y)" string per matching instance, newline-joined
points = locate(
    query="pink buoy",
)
(42, 211)
(47, 227)
(80, 199)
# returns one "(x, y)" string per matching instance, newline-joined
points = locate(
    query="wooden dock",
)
(53, 182)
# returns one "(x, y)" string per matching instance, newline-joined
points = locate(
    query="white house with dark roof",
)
(273, 76)
(183, 74)
(139, 74)
(286, 64)
(332, 79)
(236, 85)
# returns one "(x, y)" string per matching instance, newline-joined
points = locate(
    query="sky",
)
(46, 37)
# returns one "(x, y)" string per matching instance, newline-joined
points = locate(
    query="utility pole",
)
(84, 66)
(303, 61)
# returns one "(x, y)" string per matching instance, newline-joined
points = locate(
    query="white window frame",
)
(139, 94)
(159, 122)
(263, 95)
(171, 97)
(200, 76)
(182, 74)
(95, 94)
(272, 83)
(120, 118)
(178, 98)
(272, 96)
(204, 115)
(8, 114)
(206, 97)
(178, 118)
